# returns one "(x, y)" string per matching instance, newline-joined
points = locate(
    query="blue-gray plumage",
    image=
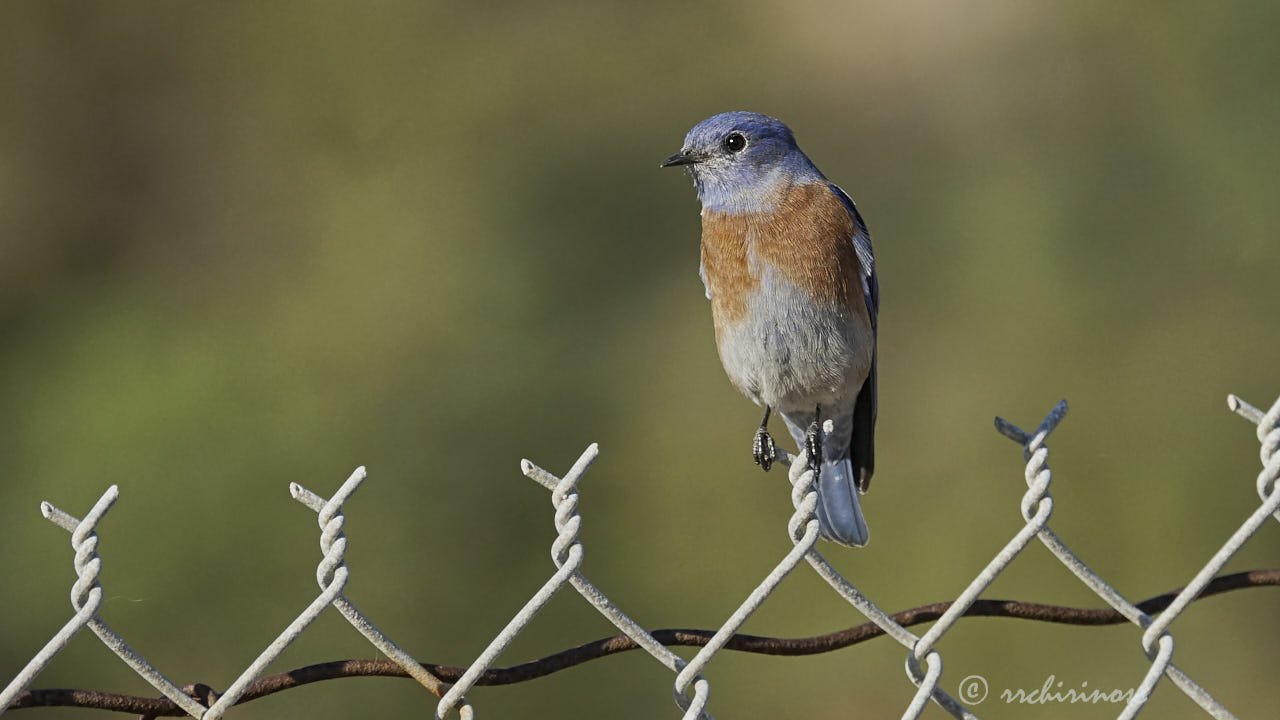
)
(788, 266)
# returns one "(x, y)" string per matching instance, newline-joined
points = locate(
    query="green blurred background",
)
(248, 244)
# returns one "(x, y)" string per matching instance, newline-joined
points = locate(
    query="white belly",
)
(793, 354)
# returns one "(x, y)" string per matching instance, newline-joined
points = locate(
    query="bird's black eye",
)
(734, 142)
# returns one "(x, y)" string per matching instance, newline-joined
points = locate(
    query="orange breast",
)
(807, 237)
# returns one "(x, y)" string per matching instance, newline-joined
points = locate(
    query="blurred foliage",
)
(244, 244)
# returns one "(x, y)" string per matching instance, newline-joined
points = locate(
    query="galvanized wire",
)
(86, 599)
(691, 689)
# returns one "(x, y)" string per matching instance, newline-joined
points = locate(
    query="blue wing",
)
(866, 255)
(862, 441)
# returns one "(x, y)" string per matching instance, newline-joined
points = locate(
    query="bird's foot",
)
(813, 447)
(763, 450)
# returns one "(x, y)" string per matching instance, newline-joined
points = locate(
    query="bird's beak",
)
(684, 157)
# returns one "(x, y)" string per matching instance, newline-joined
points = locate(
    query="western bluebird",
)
(788, 267)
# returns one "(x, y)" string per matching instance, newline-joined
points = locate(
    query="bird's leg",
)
(813, 442)
(762, 448)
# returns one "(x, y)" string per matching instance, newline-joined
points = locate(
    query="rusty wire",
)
(605, 647)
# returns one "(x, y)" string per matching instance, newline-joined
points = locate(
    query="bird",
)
(788, 265)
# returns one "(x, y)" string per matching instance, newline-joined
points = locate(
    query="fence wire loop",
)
(926, 681)
(923, 662)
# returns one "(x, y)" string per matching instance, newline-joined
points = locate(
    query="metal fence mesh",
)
(691, 688)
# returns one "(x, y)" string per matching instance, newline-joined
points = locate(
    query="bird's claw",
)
(763, 450)
(813, 447)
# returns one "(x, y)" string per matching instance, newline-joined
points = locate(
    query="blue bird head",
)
(740, 160)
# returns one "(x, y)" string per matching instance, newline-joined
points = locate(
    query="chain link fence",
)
(691, 688)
